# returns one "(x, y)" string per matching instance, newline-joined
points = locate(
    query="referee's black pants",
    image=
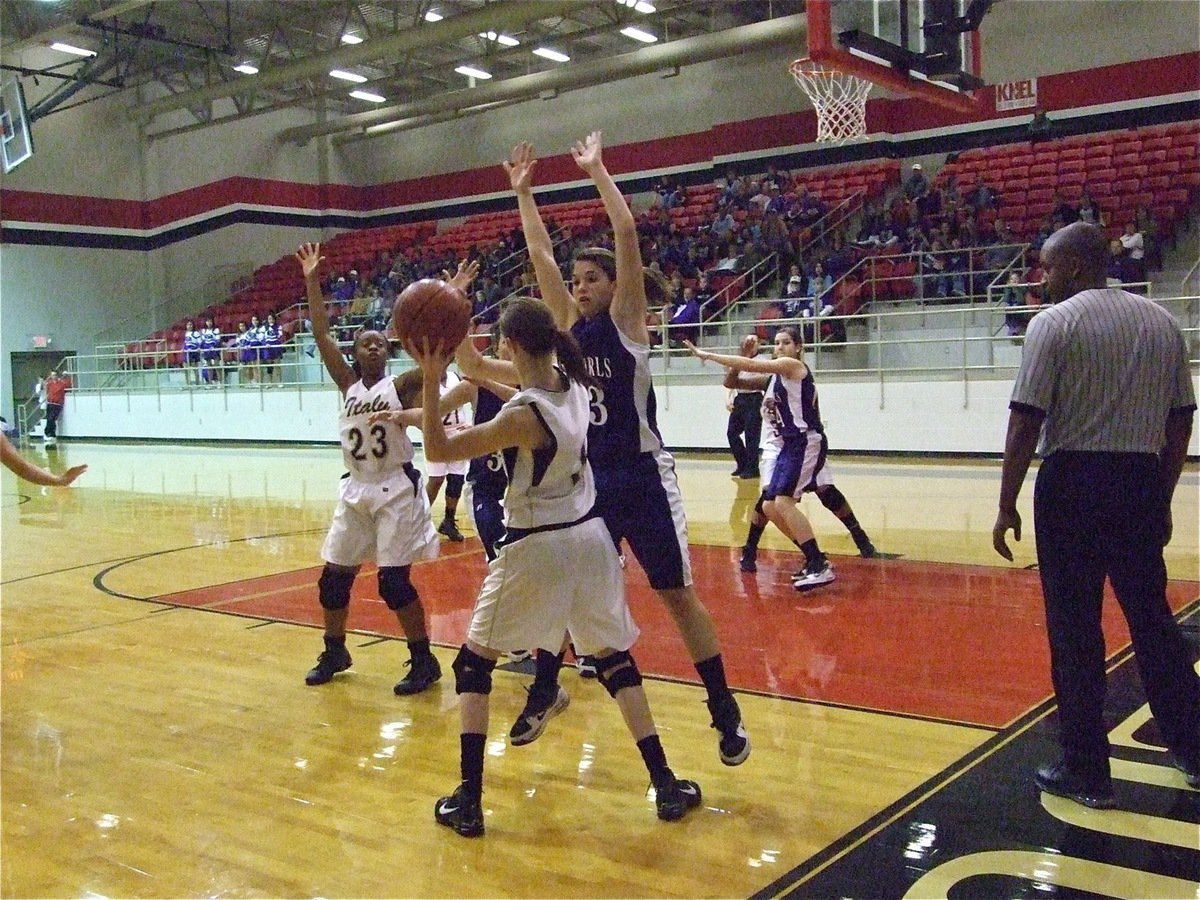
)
(1099, 514)
(745, 419)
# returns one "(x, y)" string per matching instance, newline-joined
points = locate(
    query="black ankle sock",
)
(712, 673)
(546, 674)
(754, 535)
(335, 642)
(656, 760)
(419, 649)
(813, 556)
(471, 745)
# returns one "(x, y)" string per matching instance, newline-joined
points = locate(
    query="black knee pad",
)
(617, 671)
(758, 507)
(831, 498)
(454, 485)
(472, 673)
(333, 587)
(395, 589)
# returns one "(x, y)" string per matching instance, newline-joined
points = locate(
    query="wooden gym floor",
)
(157, 620)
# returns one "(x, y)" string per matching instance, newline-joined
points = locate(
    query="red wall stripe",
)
(1124, 82)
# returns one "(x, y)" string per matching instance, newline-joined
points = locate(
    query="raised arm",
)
(309, 257)
(520, 166)
(628, 308)
(23, 468)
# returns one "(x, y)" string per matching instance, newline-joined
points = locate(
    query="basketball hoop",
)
(839, 98)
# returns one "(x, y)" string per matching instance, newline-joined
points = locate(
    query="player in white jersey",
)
(791, 413)
(557, 568)
(453, 473)
(382, 511)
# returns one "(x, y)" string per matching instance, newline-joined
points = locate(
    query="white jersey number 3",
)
(596, 401)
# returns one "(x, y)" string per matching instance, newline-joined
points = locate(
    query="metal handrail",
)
(871, 340)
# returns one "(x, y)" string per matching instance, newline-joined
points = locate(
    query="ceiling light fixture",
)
(639, 6)
(472, 72)
(68, 48)
(367, 95)
(246, 69)
(502, 39)
(638, 35)
(346, 76)
(547, 53)
(432, 16)
(351, 39)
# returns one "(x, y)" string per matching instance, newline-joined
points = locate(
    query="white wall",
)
(916, 416)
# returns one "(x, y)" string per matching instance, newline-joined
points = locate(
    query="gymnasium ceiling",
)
(181, 54)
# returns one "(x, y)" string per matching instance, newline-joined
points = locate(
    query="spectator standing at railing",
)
(56, 396)
(191, 354)
(210, 342)
(958, 262)
(246, 348)
(270, 354)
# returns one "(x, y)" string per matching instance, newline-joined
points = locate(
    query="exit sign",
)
(42, 341)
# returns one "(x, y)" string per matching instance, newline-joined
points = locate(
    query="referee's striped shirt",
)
(1105, 366)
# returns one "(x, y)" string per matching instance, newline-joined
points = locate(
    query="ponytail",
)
(570, 357)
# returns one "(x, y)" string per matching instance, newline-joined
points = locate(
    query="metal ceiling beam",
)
(728, 42)
(53, 31)
(494, 16)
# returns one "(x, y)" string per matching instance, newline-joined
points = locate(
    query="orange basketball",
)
(431, 309)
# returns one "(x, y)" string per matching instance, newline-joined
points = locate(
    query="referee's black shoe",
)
(331, 661)
(734, 745)
(422, 673)
(1057, 779)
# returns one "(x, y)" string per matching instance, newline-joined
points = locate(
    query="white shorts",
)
(766, 465)
(552, 582)
(386, 520)
(442, 469)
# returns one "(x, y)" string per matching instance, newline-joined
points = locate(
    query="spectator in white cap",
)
(917, 185)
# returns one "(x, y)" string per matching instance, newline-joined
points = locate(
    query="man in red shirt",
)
(56, 395)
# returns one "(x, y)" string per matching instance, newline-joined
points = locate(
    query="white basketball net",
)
(839, 98)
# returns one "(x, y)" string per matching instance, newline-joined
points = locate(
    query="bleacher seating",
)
(1156, 166)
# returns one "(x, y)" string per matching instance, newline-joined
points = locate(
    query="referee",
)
(1105, 381)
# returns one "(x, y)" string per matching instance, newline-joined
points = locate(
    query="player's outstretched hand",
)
(587, 152)
(71, 474)
(468, 269)
(1006, 521)
(695, 351)
(519, 166)
(309, 256)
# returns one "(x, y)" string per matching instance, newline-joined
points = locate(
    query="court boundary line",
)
(788, 883)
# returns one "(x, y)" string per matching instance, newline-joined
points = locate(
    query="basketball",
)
(434, 310)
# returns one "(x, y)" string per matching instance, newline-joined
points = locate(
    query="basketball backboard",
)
(924, 48)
